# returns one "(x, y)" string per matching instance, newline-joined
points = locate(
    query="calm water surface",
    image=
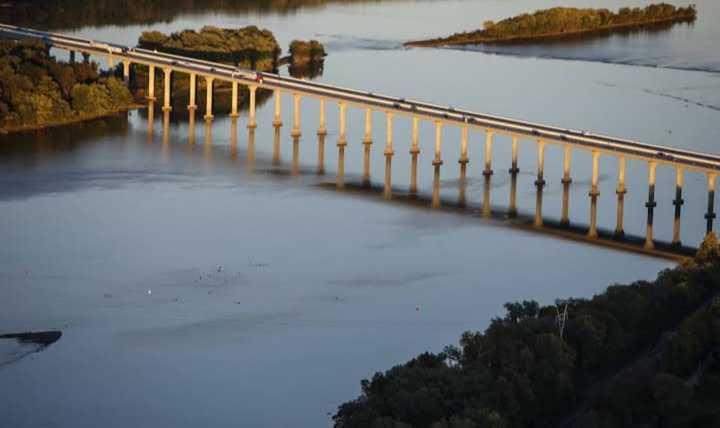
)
(198, 283)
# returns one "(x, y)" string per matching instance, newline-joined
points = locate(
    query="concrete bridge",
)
(682, 161)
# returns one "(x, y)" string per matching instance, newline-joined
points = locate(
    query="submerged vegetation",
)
(36, 90)
(565, 21)
(645, 354)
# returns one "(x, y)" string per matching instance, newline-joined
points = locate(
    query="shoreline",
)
(542, 37)
(74, 120)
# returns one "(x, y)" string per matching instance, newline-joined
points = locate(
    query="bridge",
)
(682, 161)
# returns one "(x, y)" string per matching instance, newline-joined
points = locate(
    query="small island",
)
(560, 22)
(37, 91)
(306, 58)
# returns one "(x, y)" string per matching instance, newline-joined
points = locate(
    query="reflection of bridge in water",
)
(682, 161)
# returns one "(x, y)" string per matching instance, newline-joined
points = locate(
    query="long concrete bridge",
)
(682, 161)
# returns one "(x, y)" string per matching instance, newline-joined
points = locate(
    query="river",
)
(198, 283)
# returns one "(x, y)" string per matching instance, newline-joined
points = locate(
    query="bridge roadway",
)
(693, 161)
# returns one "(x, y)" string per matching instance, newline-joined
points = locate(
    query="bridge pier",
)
(651, 204)
(514, 162)
(388, 155)
(209, 98)
(710, 216)
(166, 90)
(234, 100)
(437, 162)
(72, 57)
(566, 180)
(620, 191)
(342, 142)
(367, 144)
(678, 203)
(322, 129)
(464, 159)
(151, 83)
(567, 155)
(110, 61)
(251, 110)
(86, 57)
(126, 71)
(193, 86)
(277, 120)
(594, 193)
(540, 182)
(488, 153)
(414, 152)
(295, 133)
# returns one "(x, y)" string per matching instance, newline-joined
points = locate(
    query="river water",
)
(197, 282)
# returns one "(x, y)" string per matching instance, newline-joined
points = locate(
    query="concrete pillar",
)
(193, 84)
(166, 89)
(151, 83)
(342, 142)
(594, 193)
(126, 71)
(234, 100)
(388, 154)
(540, 182)
(251, 111)
(277, 120)
(567, 155)
(209, 98)
(488, 153)
(620, 191)
(111, 62)
(414, 151)
(514, 168)
(321, 154)
(86, 57)
(368, 126)
(678, 202)
(710, 216)
(464, 159)
(512, 209)
(296, 116)
(276, 146)
(651, 204)
(366, 163)
(438, 143)
(72, 56)
(322, 130)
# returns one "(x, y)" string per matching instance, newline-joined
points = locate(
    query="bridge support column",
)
(209, 98)
(126, 72)
(487, 172)
(277, 120)
(651, 204)
(540, 182)
(367, 138)
(86, 57)
(295, 133)
(367, 144)
(151, 83)
(388, 154)
(342, 142)
(193, 86)
(514, 162)
(414, 152)
(710, 216)
(567, 156)
(437, 162)
(166, 89)
(322, 129)
(594, 193)
(620, 191)
(251, 111)
(464, 159)
(678, 203)
(72, 56)
(234, 100)
(111, 62)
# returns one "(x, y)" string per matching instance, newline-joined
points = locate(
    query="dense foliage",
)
(304, 52)
(37, 90)
(529, 369)
(560, 21)
(245, 46)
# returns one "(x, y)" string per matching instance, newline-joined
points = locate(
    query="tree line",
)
(644, 354)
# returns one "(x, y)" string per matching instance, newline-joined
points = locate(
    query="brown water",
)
(196, 281)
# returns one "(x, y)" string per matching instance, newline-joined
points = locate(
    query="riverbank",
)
(562, 22)
(69, 121)
(643, 354)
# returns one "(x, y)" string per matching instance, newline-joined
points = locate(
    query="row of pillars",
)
(437, 159)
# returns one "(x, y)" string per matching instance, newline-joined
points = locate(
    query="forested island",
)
(640, 355)
(37, 91)
(559, 22)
